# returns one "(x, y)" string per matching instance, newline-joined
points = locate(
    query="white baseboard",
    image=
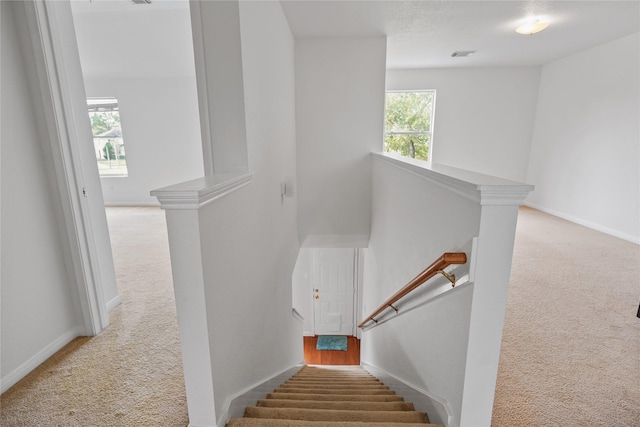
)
(437, 408)
(615, 233)
(114, 303)
(234, 405)
(34, 361)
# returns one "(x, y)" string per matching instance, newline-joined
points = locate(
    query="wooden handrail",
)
(438, 266)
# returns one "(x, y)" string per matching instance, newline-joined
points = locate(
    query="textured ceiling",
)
(423, 34)
(117, 38)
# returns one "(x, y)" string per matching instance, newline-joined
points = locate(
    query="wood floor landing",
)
(331, 357)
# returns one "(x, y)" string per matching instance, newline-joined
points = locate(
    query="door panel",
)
(333, 281)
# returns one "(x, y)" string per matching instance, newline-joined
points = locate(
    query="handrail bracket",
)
(395, 308)
(449, 277)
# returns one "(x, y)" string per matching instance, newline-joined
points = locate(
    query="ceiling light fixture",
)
(532, 26)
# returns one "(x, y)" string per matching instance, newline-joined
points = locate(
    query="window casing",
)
(408, 128)
(108, 142)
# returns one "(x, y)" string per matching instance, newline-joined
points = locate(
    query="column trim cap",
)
(200, 192)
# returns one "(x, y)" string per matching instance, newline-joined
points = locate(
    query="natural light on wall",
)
(107, 136)
(408, 127)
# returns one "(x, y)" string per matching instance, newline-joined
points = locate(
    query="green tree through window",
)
(408, 126)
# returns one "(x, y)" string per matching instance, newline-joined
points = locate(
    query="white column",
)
(182, 203)
(492, 271)
(219, 75)
(188, 281)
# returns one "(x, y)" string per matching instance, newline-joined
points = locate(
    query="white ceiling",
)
(117, 38)
(424, 34)
(120, 39)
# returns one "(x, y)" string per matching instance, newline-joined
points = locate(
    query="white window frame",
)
(429, 132)
(108, 104)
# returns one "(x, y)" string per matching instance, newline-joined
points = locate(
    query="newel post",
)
(498, 218)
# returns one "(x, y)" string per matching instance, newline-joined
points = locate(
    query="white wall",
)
(585, 158)
(302, 289)
(414, 223)
(339, 119)
(143, 55)
(447, 345)
(40, 311)
(483, 118)
(221, 96)
(249, 237)
(161, 132)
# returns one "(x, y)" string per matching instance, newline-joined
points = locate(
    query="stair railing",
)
(437, 267)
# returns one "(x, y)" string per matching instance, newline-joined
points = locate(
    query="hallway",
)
(131, 374)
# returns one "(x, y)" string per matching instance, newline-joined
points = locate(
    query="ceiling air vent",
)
(462, 53)
(141, 1)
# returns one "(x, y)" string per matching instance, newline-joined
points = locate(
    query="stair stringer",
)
(438, 408)
(235, 405)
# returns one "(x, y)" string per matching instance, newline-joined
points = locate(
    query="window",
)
(408, 127)
(107, 136)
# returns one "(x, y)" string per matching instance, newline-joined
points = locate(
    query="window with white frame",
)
(408, 127)
(108, 143)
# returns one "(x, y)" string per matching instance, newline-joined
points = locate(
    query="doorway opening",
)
(327, 293)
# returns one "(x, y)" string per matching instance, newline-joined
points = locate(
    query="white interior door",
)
(333, 291)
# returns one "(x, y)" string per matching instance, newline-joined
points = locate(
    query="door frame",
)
(56, 64)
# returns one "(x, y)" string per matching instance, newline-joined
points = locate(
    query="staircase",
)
(332, 396)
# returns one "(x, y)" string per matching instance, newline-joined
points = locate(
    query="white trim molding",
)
(610, 231)
(437, 408)
(199, 192)
(234, 406)
(58, 66)
(480, 188)
(114, 302)
(37, 359)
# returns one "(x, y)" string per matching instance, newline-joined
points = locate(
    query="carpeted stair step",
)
(343, 375)
(336, 415)
(336, 386)
(332, 397)
(333, 391)
(337, 397)
(263, 422)
(335, 380)
(341, 405)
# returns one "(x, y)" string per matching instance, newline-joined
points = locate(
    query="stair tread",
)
(337, 397)
(351, 406)
(335, 415)
(263, 422)
(337, 386)
(333, 390)
(330, 375)
(336, 379)
(332, 396)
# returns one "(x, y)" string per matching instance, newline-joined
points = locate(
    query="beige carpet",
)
(325, 396)
(131, 374)
(571, 346)
(570, 352)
